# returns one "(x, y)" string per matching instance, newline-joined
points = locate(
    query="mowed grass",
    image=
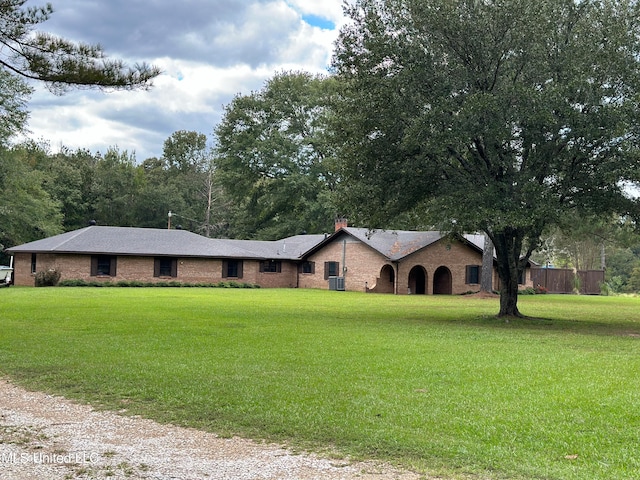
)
(436, 384)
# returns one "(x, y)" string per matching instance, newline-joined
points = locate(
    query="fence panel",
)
(561, 280)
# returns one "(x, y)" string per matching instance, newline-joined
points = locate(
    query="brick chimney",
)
(341, 223)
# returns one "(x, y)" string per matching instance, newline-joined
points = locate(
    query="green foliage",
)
(27, 211)
(47, 278)
(60, 63)
(489, 116)
(435, 383)
(275, 158)
(162, 284)
(14, 94)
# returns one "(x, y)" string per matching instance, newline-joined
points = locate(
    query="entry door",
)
(442, 284)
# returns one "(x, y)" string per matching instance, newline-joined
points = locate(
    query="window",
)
(271, 266)
(232, 269)
(308, 267)
(522, 277)
(473, 274)
(331, 269)
(165, 267)
(103, 265)
(33, 262)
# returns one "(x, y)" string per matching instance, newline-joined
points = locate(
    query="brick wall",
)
(367, 267)
(362, 262)
(130, 268)
(452, 255)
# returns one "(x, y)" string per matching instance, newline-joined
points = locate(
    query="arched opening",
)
(418, 280)
(442, 284)
(387, 280)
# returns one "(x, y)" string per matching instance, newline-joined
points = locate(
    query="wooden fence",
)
(562, 280)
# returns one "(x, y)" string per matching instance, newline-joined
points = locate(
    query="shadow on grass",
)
(555, 325)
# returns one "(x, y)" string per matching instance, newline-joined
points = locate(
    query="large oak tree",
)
(274, 157)
(490, 115)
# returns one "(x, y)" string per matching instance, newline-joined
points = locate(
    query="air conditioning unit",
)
(336, 283)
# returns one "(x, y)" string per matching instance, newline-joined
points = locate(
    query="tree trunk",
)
(509, 299)
(486, 280)
(508, 247)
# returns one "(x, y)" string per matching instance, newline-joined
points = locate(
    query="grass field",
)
(437, 384)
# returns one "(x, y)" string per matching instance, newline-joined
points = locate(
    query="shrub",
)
(73, 283)
(48, 278)
(138, 283)
(527, 291)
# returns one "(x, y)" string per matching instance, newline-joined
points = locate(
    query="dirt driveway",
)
(49, 437)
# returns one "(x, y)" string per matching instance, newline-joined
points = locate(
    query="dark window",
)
(331, 269)
(521, 277)
(271, 266)
(232, 269)
(33, 262)
(308, 267)
(473, 274)
(103, 265)
(165, 267)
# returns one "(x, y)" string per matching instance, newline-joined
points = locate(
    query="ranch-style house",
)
(358, 259)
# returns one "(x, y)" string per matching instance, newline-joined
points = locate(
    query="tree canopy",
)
(493, 116)
(60, 63)
(275, 158)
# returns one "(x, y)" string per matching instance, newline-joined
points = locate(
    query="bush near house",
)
(47, 278)
(140, 284)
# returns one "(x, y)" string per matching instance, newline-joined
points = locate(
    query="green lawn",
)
(437, 384)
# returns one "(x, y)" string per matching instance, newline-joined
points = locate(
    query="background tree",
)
(14, 94)
(70, 181)
(117, 184)
(27, 211)
(58, 62)
(490, 116)
(190, 169)
(274, 158)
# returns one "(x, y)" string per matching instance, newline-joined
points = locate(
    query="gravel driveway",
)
(48, 437)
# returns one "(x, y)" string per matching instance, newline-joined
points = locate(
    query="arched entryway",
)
(386, 281)
(418, 280)
(442, 284)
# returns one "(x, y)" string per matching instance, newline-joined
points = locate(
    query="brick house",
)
(400, 262)
(98, 253)
(359, 259)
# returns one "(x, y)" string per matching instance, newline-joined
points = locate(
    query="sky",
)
(208, 50)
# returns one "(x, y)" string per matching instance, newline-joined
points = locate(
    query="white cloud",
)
(209, 51)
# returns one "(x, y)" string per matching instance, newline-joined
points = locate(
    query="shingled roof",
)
(397, 244)
(102, 240)
(160, 242)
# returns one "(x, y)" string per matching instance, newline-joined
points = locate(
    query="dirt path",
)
(49, 437)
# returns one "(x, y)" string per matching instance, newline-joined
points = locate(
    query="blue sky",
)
(320, 22)
(209, 51)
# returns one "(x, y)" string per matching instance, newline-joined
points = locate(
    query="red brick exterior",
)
(363, 269)
(366, 269)
(189, 270)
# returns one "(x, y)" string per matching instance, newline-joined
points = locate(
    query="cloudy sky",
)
(209, 51)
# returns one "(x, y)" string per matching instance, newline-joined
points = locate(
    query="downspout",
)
(344, 262)
(396, 276)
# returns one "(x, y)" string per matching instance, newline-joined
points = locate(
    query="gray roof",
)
(161, 242)
(393, 244)
(397, 244)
